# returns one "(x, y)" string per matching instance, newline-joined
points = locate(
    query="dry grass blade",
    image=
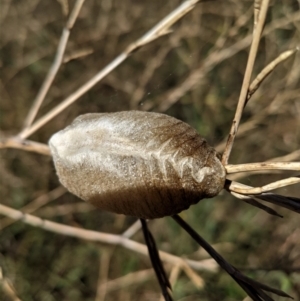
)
(246, 82)
(267, 70)
(162, 28)
(253, 288)
(55, 66)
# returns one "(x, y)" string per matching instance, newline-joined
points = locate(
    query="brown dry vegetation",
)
(194, 74)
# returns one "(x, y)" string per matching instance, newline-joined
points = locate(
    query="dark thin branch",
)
(156, 262)
(253, 288)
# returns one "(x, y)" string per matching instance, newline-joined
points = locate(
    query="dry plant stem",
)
(175, 272)
(134, 228)
(295, 155)
(103, 272)
(195, 278)
(239, 188)
(55, 66)
(26, 145)
(173, 277)
(267, 70)
(289, 157)
(36, 204)
(256, 11)
(262, 166)
(233, 31)
(127, 280)
(64, 6)
(259, 117)
(110, 239)
(7, 288)
(138, 277)
(290, 203)
(194, 79)
(77, 54)
(162, 28)
(246, 81)
(152, 64)
(60, 210)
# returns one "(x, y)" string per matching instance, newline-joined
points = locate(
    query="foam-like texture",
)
(141, 164)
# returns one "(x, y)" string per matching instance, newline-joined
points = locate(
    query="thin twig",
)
(64, 6)
(197, 280)
(26, 145)
(131, 230)
(267, 70)
(77, 54)
(55, 65)
(239, 188)
(262, 166)
(256, 7)
(173, 277)
(213, 59)
(152, 64)
(106, 238)
(36, 204)
(288, 202)
(162, 28)
(246, 81)
(295, 155)
(103, 275)
(66, 209)
(7, 288)
(289, 157)
(259, 117)
(127, 280)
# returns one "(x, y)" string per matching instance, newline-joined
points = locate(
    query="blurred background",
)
(195, 74)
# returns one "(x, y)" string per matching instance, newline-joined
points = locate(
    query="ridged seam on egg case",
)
(178, 165)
